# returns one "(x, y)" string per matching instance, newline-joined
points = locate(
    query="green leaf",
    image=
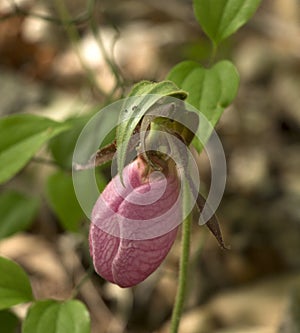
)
(180, 72)
(17, 212)
(210, 91)
(86, 191)
(61, 197)
(21, 136)
(62, 146)
(9, 322)
(14, 284)
(57, 317)
(221, 18)
(135, 108)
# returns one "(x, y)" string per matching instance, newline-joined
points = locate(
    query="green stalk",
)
(213, 53)
(183, 269)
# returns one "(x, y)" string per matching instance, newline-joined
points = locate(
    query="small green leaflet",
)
(61, 197)
(15, 287)
(210, 91)
(221, 18)
(17, 212)
(21, 136)
(134, 109)
(51, 316)
(62, 146)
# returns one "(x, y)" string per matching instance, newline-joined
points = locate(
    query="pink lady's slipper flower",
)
(134, 226)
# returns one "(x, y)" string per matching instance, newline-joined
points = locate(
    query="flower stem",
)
(183, 270)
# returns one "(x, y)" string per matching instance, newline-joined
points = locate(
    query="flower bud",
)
(134, 226)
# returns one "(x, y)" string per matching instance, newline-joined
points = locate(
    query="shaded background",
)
(48, 69)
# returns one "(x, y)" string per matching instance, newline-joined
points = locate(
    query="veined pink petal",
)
(124, 221)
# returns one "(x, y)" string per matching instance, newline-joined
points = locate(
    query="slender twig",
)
(114, 68)
(74, 38)
(19, 11)
(45, 161)
(102, 156)
(87, 275)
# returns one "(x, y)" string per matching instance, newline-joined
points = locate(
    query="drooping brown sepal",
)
(213, 223)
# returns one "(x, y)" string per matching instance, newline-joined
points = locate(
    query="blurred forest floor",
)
(255, 286)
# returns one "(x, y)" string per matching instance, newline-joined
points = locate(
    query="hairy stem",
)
(183, 271)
